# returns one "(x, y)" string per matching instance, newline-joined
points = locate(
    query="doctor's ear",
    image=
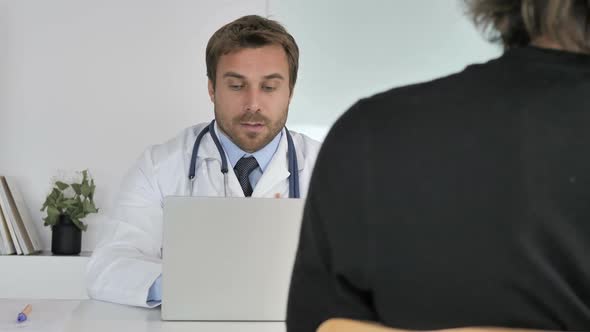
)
(211, 89)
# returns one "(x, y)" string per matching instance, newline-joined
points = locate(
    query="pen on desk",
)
(22, 316)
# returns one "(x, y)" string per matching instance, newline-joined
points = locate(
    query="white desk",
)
(95, 316)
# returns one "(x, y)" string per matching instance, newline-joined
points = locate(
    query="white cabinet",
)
(43, 276)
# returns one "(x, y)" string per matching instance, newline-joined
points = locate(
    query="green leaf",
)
(69, 202)
(45, 204)
(51, 200)
(59, 200)
(77, 188)
(52, 211)
(79, 224)
(74, 209)
(84, 175)
(50, 220)
(54, 194)
(85, 189)
(89, 207)
(62, 186)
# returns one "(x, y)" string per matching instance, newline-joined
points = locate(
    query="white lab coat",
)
(128, 260)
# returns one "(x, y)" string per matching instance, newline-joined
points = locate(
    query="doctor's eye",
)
(236, 87)
(267, 88)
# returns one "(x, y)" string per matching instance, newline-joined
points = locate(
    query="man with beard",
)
(252, 68)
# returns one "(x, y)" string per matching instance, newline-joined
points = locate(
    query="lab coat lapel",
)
(276, 173)
(208, 155)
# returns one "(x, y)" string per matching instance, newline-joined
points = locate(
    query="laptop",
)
(228, 259)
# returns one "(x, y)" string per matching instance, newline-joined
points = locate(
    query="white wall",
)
(90, 84)
(354, 49)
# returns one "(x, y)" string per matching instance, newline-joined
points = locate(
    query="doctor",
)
(246, 151)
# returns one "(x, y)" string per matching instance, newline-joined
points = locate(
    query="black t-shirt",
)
(464, 201)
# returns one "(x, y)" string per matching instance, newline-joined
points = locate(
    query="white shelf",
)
(43, 276)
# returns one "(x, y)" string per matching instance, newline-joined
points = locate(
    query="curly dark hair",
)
(517, 23)
(251, 31)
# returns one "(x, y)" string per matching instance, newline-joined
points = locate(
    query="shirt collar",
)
(234, 153)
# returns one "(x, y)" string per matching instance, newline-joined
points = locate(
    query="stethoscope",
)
(291, 157)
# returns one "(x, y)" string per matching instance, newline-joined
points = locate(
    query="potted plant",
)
(67, 204)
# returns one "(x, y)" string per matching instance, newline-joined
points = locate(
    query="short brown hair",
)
(251, 31)
(517, 22)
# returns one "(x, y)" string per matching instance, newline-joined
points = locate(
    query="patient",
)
(467, 200)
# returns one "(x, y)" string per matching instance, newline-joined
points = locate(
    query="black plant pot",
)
(66, 238)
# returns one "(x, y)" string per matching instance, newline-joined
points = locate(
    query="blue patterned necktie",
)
(243, 168)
